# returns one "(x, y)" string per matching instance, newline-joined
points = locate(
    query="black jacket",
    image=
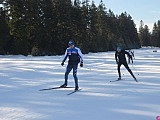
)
(120, 56)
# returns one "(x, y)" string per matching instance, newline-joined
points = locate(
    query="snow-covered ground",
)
(22, 77)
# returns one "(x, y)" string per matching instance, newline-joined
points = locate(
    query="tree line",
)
(148, 38)
(44, 27)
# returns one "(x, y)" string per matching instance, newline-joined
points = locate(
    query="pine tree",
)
(102, 40)
(132, 36)
(93, 15)
(4, 33)
(144, 35)
(141, 32)
(158, 25)
(154, 36)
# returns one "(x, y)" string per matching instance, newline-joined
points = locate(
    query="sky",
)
(146, 10)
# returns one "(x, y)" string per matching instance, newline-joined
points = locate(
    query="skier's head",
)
(119, 49)
(71, 43)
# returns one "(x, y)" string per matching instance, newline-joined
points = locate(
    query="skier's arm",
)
(65, 57)
(132, 53)
(128, 54)
(116, 57)
(81, 55)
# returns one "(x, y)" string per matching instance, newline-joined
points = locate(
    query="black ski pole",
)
(135, 69)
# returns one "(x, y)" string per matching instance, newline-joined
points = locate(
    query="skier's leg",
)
(132, 59)
(128, 60)
(68, 69)
(118, 68)
(75, 75)
(129, 70)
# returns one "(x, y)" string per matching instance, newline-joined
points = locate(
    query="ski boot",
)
(76, 88)
(63, 86)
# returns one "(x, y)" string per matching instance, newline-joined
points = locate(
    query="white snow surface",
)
(22, 77)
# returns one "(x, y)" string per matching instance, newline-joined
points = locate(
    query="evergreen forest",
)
(44, 27)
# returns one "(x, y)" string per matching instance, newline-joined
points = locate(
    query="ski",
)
(121, 79)
(54, 88)
(74, 91)
(116, 80)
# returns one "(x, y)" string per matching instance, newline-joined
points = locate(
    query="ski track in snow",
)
(22, 77)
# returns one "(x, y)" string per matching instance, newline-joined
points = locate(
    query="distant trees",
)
(155, 36)
(128, 32)
(41, 27)
(148, 38)
(144, 34)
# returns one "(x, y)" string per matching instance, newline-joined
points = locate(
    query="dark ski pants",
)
(127, 67)
(68, 69)
(130, 59)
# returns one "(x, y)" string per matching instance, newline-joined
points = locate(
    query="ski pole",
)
(135, 69)
(82, 67)
(86, 68)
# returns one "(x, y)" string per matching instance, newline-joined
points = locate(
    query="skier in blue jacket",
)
(75, 56)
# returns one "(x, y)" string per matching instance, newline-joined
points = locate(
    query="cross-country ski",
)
(74, 91)
(116, 80)
(121, 80)
(54, 88)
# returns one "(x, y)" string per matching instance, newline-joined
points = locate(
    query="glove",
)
(81, 64)
(62, 63)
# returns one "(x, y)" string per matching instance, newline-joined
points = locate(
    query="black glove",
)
(62, 63)
(81, 64)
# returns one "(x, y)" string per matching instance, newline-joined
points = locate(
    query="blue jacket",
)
(74, 54)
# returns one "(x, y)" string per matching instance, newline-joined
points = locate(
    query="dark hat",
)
(70, 43)
(119, 48)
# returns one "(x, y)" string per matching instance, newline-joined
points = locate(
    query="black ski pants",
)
(126, 66)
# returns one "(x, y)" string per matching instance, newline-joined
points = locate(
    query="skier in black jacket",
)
(130, 58)
(121, 59)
